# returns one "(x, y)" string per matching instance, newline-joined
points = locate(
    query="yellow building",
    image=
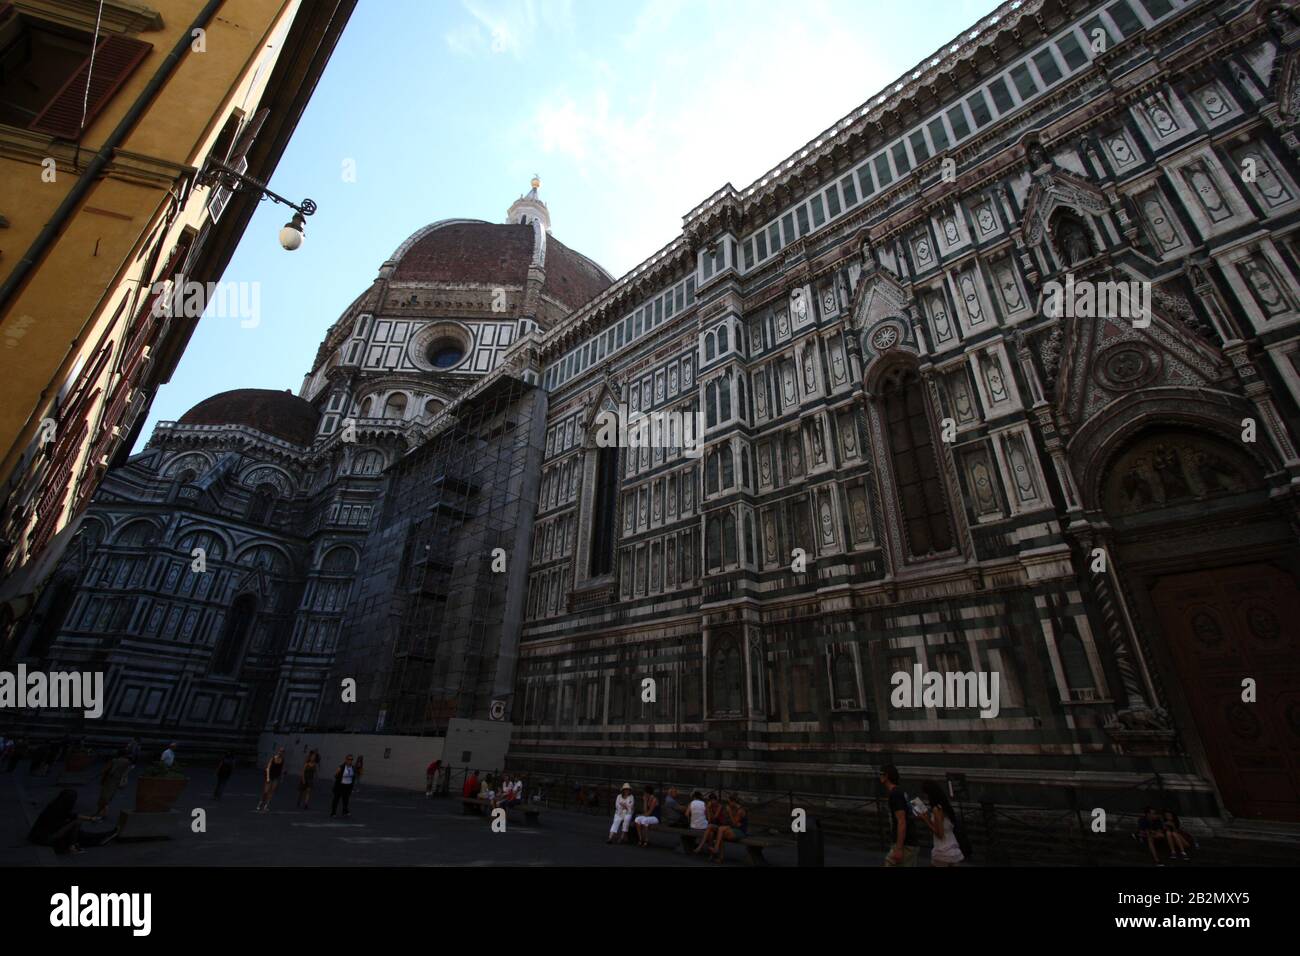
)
(108, 112)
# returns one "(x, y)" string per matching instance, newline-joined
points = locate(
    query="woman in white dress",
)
(939, 818)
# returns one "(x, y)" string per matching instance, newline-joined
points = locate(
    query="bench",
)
(531, 812)
(754, 845)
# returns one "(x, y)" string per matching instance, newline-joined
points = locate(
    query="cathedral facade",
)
(999, 375)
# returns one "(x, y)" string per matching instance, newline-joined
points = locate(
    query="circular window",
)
(445, 355)
(440, 347)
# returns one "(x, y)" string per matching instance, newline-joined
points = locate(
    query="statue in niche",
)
(1168, 466)
(868, 254)
(1038, 157)
(1137, 489)
(1071, 239)
(819, 449)
(1215, 473)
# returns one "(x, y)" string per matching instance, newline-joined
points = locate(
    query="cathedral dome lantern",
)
(529, 208)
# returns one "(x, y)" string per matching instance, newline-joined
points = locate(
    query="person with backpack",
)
(942, 821)
(901, 815)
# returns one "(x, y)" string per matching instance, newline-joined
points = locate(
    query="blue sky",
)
(632, 113)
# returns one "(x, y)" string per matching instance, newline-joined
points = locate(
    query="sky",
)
(631, 114)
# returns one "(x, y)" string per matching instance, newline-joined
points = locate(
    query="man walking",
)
(344, 779)
(904, 849)
(224, 770)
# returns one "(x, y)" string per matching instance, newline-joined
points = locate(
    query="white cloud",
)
(721, 96)
(510, 27)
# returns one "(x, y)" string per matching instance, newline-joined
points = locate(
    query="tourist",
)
(698, 814)
(649, 815)
(14, 753)
(941, 820)
(133, 751)
(224, 769)
(712, 819)
(169, 755)
(271, 780)
(1178, 839)
(431, 777)
(307, 778)
(345, 779)
(1151, 830)
(671, 811)
(112, 780)
(470, 790)
(361, 762)
(59, 826)
(487, 792)
(733, 825)
(903, 852)
(512, 793)
(623, 806)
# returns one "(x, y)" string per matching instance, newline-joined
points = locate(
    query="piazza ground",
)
(388, 827)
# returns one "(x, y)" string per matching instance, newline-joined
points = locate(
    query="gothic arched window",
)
(915, 464)
(728, 468)
(713, 543)
(711, 473)
(604, 505)
(727, 672)
(234, 635)
(724, 399)
(395, 407)
(262, 503)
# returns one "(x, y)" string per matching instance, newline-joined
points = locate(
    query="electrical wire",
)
(90, 72)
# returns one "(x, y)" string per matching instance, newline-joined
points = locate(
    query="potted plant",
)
(157, 787)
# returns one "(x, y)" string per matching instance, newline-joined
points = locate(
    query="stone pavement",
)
(387, 828)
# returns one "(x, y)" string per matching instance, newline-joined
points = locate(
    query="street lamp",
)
(217, 173)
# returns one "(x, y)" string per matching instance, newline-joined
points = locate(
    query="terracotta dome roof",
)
(470, 251)
(281, 414)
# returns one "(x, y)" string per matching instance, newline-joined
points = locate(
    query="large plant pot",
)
(78, 760)
(157, 794)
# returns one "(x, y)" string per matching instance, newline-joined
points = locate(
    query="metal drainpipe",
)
(78, 192)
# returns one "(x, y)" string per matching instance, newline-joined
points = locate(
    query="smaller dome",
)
(281, 414)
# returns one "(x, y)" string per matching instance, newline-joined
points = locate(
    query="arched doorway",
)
(1212, 565)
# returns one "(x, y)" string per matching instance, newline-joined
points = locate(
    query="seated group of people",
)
(1163, 828)
(505, 791)
(716, 822)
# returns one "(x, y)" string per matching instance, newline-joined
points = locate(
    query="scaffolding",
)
(436, 620)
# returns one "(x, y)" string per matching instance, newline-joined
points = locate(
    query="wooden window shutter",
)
(115, 60)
